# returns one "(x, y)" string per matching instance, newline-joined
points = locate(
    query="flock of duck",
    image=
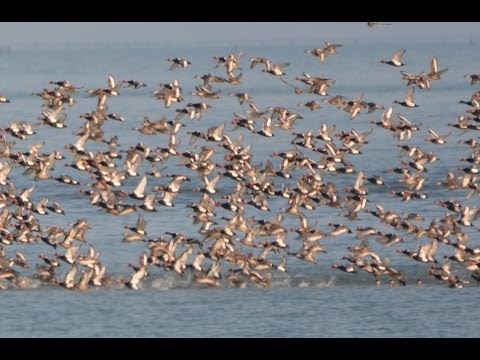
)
(233, 248)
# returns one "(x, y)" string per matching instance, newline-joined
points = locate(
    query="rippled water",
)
(308, 301)
(319, 311)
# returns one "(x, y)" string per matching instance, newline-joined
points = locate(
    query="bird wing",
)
(409, 95)
(140, 189)
(111, 82)
(433, 133)
(358, 98)
(141, 223)
(70, 278)
(434, 65)
(397, 56)
(404, 119)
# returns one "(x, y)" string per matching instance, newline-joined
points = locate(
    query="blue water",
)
(307, 301)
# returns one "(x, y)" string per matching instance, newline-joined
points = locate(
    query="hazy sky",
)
(185, 33)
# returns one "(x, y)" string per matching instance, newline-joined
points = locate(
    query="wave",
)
(278, 281)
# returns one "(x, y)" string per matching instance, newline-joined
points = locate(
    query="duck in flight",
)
(179, 61)
(396, 59)
(409, 101)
